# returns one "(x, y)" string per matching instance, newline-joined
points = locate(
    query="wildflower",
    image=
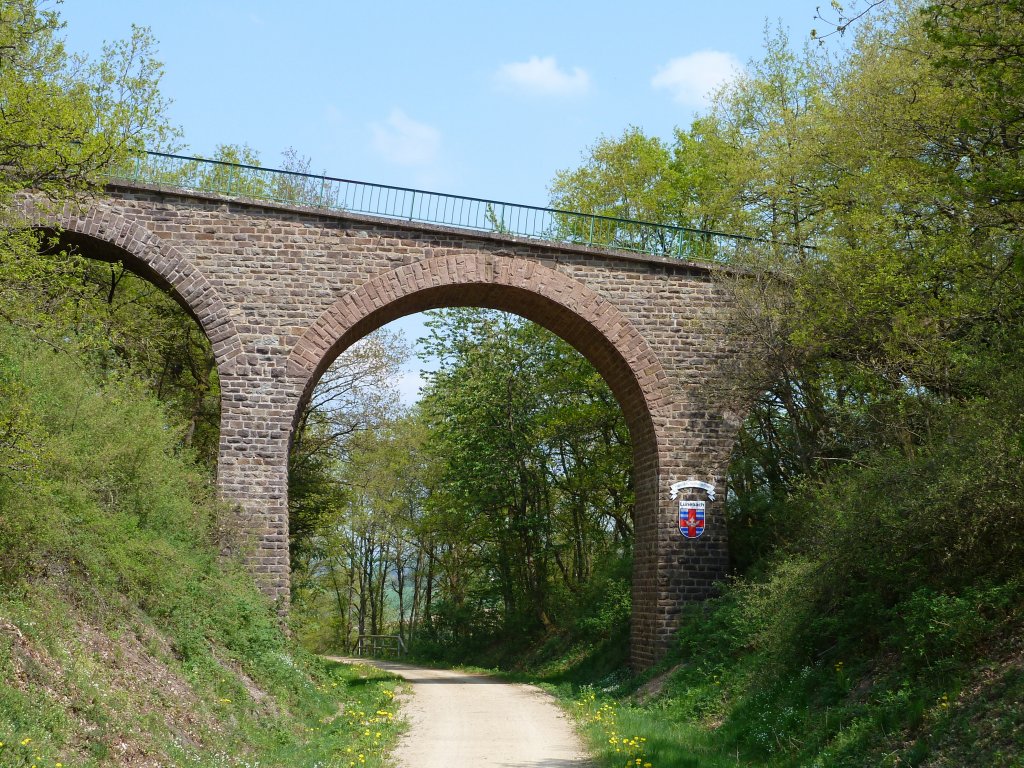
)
(25, 742)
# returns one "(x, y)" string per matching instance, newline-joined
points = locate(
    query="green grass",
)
(885, 631)
(125, 638)
(726, 701)
(765, 676)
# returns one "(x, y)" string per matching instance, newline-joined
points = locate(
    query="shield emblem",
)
(691, 518)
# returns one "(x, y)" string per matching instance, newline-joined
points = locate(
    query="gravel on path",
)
(463, 719)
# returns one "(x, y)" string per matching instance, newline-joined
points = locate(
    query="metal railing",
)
(375, 646)
(335, 194)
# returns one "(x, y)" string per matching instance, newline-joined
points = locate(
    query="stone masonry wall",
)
(281, 291)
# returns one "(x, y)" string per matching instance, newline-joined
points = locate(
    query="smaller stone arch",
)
(115, 238)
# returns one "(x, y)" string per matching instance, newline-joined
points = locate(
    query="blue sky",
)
(482, 99)
(485, 99)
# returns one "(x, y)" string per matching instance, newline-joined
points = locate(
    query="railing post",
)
(412, 204)
(591, 240)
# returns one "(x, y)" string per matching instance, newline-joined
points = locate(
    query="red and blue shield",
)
(691, 518)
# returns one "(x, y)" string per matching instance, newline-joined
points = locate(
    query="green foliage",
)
(68, 122)
(623, 178)
(910, 306)
(353, 500)
(125, 326)
(502, 504)
(532, 460)
(641, 178)
(66, 119)
(121, 626)
(875, 491)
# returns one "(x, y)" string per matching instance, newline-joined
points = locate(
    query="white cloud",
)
(404, 141)
(691, 79)
(542, 76)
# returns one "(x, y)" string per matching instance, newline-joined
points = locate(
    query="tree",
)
(979, 58)
(622, 178)
(354, 394)
(531, 486)
(906, 179)
(67, 122)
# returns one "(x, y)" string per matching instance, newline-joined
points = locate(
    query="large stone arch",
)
(565, 306)
(110, 236)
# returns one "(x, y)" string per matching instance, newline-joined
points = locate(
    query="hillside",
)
(125, 639)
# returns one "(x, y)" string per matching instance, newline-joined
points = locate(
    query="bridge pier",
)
(252, 471)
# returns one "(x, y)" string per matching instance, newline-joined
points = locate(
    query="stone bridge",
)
(282, 290)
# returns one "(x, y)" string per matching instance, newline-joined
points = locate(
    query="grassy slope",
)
(721, 700)
(758, 678)
(888, 632)
(935, 679)
(124, 638)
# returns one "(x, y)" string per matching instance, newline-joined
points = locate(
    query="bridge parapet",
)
(422, 206)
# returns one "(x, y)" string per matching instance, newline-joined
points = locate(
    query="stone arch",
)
(585, 319)
(589, 322)
(567, 307)
(164, 265)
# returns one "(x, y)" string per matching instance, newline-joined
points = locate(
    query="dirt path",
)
(456, 718)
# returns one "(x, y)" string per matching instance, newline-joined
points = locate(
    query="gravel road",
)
(457, 718)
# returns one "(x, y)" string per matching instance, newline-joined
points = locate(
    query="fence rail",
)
(375, 646)
(336, 194)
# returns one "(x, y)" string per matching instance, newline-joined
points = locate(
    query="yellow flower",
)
(25, 742)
